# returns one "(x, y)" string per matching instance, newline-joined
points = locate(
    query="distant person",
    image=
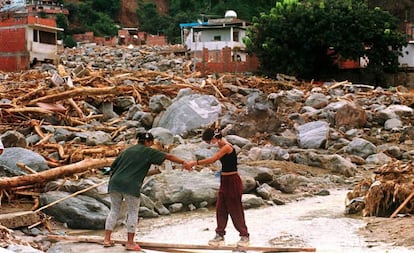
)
(1, 147)
(127, 175)
(229, 199)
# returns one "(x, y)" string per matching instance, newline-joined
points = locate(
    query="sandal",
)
(108, 244)
(135, 248)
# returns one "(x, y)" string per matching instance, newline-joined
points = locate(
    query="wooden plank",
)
(19, 219)
(402, 205)
(159, 246)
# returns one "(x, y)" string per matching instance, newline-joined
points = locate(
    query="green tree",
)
(109, 7)
(61, 22)
(100, 23)
(294, 37)
(69, 42)
(149, 19)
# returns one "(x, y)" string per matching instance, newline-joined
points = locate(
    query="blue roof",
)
(182, 25)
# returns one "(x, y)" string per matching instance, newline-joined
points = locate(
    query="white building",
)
(216, 34)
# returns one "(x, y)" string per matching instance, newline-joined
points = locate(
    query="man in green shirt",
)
(128, 172)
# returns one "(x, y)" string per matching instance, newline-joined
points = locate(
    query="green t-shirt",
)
(131, 167)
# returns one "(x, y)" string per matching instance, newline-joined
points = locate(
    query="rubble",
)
(88, 108)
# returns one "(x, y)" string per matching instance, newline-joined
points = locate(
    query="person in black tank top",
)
(230, 192)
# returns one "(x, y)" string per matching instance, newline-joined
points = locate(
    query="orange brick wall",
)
(221, 62)
(104, 41)
(155, 40)
(13, 53)
(42, 21)
(13, 40)
(14, 63)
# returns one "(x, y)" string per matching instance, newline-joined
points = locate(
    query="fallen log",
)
(51, 174)
(402, 205)
(84, 91)
(157, 245)
(29, 110)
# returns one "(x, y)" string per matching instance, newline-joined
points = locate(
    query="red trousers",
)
(229, 203)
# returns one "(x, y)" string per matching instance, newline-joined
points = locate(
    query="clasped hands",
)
(188, 165)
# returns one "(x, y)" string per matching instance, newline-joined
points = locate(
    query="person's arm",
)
(153, 171)
(176, 159)
(219, 154)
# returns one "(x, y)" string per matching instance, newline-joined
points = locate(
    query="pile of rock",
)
(292, 137)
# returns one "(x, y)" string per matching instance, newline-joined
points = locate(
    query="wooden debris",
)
(402, 205)
(19, 219)
(82, 91)
(389, 192)
(168, 246)
(51, 174)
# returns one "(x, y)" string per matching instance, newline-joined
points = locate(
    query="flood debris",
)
(73, 119)
(388, 191)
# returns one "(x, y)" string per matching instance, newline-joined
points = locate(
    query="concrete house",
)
(407, 60)
(217, 45)
(216, 34)
(24, 38)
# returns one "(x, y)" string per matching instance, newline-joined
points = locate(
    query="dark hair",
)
(144, 136)
(210, 133)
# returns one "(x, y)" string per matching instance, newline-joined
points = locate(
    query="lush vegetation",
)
(306, 38)
(98, 16)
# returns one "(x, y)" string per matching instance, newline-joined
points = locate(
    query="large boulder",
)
(190, 112)
(12, 156)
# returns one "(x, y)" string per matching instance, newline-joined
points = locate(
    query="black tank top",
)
(229, 162)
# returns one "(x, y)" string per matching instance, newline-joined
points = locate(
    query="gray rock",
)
(252, 201)
(189, 113)
(237, 140)
(146, 212)
(313, 134)
(33, 160)
(317, 100)
(162, 135)
(79, 212)
(361, 147)
(159, 103)
(393, 124)
(176, 207)
(379, 159)
(20, 249)
(13, 138)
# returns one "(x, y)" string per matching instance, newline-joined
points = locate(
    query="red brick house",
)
(25, 40)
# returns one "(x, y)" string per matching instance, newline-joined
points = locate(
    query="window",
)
(47, 37)
(217, 38)
(236, 36)
(35, 37)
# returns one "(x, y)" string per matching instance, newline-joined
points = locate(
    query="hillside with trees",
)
(311, 35)
(103, 17)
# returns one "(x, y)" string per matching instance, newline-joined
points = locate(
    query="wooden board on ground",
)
(19, 219)
(158, 246)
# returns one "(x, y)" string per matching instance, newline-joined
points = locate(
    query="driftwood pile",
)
(37, 98)
(388, 193)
